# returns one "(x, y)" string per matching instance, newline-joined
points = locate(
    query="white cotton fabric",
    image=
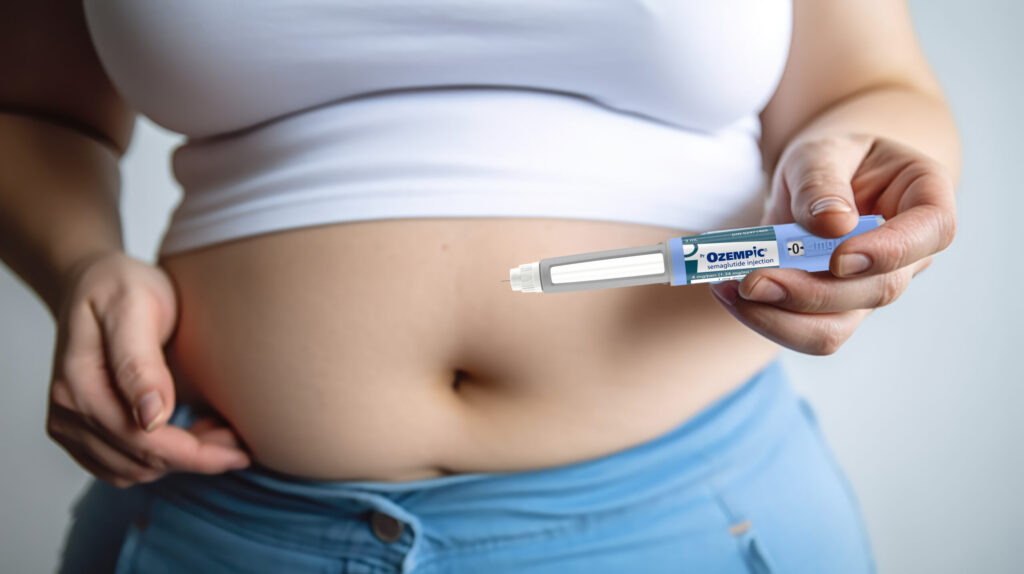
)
(323, 111)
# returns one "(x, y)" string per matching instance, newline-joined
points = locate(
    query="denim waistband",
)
(463, 509)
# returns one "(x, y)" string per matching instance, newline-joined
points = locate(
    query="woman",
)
(323, 372)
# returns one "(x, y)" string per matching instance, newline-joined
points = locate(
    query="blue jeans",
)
(748, 485)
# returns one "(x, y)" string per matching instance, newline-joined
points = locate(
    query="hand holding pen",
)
(824, 185)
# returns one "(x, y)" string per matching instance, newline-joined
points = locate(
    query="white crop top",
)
(309, 112)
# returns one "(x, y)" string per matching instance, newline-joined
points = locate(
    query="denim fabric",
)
(748, 485)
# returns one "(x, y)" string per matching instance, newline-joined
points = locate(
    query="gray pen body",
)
(548, 287)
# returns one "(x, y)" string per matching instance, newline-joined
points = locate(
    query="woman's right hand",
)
(111, 391)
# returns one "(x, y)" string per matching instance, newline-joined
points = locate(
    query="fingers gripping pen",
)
(706, 258)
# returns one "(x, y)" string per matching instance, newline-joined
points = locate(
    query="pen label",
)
(731, 254)
(715, 260)
(725, 255)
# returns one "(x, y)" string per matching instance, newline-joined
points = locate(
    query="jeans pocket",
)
(126, 558)
(98, 524)
(170, 538)
(754, 555)
(842, 479)
(125, 563)
(752, 549)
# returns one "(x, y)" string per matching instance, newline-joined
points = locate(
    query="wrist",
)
(69, 270)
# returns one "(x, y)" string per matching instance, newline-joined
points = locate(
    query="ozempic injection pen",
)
(705, 258)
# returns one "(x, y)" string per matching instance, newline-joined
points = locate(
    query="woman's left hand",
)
(825, 185)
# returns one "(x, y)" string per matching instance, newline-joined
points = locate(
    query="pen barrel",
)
(710, 257)
(719, 256)
(798, 249)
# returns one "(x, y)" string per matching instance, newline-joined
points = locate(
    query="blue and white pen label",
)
(721, 261)
(723, 255)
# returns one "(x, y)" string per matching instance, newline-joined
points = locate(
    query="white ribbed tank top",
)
(310, 112)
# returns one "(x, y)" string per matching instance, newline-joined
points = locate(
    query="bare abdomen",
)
(390, 350)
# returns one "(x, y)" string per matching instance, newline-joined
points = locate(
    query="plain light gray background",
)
(922, 405)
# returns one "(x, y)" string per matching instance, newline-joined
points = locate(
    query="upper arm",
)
(49, 69)
(841, 48)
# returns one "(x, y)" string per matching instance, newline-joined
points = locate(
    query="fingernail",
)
(766, 291)
(726, 292)
(853, 264)
(830, 205)
(148, 410)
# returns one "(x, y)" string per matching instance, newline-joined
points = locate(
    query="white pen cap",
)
(525, 278)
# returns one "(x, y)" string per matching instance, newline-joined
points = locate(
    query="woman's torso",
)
(388, 348)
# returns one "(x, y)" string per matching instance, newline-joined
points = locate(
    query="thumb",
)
(817, 175)
(131, 333)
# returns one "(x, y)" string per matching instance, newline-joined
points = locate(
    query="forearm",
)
(905, 114)
(59, 202)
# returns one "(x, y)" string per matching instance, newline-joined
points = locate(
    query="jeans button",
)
(385, 527)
